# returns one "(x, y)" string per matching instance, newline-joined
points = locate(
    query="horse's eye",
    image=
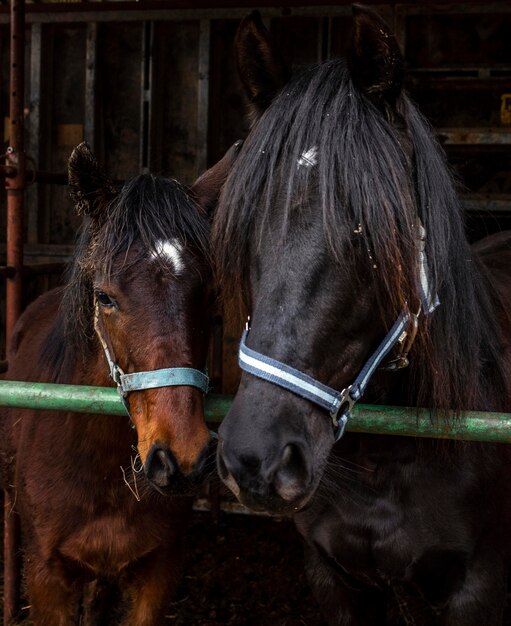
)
(104, 299)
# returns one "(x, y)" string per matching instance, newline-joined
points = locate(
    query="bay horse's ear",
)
(206, 189)
(260, 66)
(375, 60)
(90, 188)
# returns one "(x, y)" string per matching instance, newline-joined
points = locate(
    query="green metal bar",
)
(374, 419)
(396, 420)
(76, 398)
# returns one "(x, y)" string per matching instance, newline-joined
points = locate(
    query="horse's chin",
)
(181, 487)
(274, 505)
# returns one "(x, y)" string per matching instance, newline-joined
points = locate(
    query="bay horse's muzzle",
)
(164, 474)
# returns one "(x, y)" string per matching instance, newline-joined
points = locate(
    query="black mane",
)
(147, 209)
(382, 170)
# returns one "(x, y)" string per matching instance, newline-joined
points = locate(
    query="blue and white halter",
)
(340, 403)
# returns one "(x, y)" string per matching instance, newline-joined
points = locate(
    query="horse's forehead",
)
(170, 250)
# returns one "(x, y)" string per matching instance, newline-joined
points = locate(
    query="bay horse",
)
(102, 539)
(340, 227)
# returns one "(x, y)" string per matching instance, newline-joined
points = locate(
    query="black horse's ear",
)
(90, 188)
(206, 189)
(375, 60)
(260, 66)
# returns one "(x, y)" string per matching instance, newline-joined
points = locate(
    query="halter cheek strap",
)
(340, 403)
(137, 381)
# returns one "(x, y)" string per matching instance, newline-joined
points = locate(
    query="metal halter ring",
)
(346, 404)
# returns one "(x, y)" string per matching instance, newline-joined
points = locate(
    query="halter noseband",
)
(166, 377)
(340, 403)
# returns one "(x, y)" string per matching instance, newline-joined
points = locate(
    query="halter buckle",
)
(116, 374)
(405, 342)
(346, 404)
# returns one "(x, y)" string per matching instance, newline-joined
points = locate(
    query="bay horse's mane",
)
(146, 210)
(381, 170)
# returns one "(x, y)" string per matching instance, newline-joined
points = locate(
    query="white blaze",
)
(171, 250)
(308, 158)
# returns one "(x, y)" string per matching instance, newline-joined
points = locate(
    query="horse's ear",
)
(375, 60)
(89, 186)
(260, 66)
(206, 189)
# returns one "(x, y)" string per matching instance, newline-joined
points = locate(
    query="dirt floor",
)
(244, 571)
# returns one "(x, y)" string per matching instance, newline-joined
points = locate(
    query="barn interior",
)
(152, 86)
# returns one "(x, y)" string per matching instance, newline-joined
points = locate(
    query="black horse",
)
(339, 223)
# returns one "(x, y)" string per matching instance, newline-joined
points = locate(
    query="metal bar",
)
(450, 8)
(76, 398)
(40, 269)
(404, 421)
(46, 250)
(11, 171)
(38, 176)
(132, 11)
(486, 203)
(7, 272)
(135, 12)
(374, 419)
(203, 96)
(474, 136)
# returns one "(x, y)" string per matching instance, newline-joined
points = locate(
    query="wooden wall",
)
(158, 91)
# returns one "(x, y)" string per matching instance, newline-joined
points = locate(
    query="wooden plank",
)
(118, 81)
(228, 107)
(203, 95)
(146, 92)
(33, 123)
(181, 101)
(66, 101)
(298, 38)
(91, 52)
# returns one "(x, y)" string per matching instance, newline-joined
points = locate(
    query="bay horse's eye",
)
(104, 299)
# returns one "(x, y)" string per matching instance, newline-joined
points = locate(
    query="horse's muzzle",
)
(281, 486)
(164, 474)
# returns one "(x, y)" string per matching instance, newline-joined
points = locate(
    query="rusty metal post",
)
(15, 195)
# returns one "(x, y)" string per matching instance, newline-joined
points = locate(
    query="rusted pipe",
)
(15, 195)
(16, 158)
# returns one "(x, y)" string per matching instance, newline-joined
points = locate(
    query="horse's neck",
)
(93, 369)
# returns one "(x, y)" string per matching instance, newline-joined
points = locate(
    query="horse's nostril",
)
(291, 476)
(160, 466)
